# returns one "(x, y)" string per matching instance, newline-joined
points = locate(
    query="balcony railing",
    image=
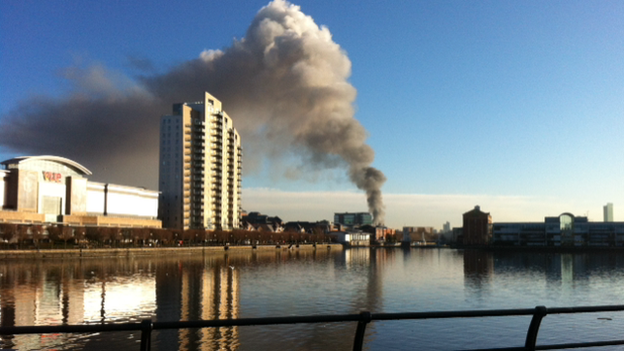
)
(363, 319)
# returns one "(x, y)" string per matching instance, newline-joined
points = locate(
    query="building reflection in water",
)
(92, 291)
(478, 272)
(194, 290)
(118, 291)
(39, 294)
(370, 262)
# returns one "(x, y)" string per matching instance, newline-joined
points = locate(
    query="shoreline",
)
(547, 249)
(152, 251)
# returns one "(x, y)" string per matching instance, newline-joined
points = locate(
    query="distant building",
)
(308, 227)
(608, 212)
(418, 235)
(477, 227)
(564, 230)
(53, 189)
(353, 219)
(200, 167)
(378, 233)
(446, 236)
(458, 235)
(259, 218)
(352, 238)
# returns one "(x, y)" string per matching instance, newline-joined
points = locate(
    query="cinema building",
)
(52, 189)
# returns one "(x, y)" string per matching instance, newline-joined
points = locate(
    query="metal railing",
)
(363, 319)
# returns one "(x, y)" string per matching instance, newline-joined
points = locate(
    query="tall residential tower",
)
(608, 212)
(200, 167)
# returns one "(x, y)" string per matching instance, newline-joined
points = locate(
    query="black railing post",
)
(365, 318)
(531, 339)
(146, 335)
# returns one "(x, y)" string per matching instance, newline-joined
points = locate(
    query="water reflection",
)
(194, 290)
(170, 289)
(478, 268)
(306, 282)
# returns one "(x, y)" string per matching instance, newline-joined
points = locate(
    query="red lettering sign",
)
(52, 177)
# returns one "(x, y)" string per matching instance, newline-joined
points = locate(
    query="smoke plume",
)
(285, 84)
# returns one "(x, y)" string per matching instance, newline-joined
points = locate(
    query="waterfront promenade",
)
(153, 251)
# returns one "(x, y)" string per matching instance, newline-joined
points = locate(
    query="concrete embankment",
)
(152, 251)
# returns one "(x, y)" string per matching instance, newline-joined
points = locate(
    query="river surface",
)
(292, 283)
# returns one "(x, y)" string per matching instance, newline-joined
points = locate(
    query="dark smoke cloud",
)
(285, 84)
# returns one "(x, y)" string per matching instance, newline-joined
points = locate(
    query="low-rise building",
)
(564, 230)
(352, 238)
(418, 235)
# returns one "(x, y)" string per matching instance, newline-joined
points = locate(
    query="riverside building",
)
(353, 219)
(53, 189)
(200, 167)
(564, 230)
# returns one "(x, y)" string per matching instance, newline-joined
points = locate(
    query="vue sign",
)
(52, 177)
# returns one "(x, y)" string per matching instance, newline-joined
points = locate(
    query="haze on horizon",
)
(515, 107)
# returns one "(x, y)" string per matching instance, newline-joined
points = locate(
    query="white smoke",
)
(285, 84)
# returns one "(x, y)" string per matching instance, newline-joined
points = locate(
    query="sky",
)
(517, 107)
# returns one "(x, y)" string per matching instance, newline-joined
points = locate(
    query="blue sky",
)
(515, 106)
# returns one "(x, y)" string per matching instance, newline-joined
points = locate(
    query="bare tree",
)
(67, 233)
(8, 233)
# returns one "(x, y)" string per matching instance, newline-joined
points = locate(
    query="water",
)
(285, 283)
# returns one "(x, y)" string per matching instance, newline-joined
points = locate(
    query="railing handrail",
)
(364, 318)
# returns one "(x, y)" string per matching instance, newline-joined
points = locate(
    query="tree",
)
(36, 234)
(54, 233)
(23, 234)
(107, 235)
(93, 235)
(67, 233)
(80, 235)
(8, 233)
